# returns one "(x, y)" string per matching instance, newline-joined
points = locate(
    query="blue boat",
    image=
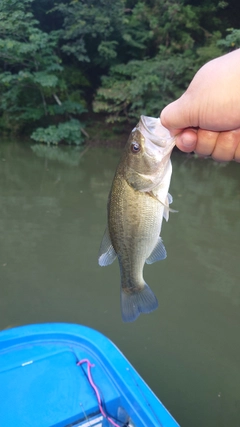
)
(64, 375)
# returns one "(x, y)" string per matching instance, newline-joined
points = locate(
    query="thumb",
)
(176, 116)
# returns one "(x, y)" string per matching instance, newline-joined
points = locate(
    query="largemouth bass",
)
(137, 203)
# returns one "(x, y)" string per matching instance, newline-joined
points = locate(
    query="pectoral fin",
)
(158, 253)
(168, 200)
(107, 253)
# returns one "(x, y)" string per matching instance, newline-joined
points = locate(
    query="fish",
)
(137, 203)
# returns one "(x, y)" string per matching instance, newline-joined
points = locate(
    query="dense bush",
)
(59, 59)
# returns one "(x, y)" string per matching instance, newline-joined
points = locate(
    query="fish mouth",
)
(156, 134)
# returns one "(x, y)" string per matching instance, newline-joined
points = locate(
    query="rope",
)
(89, 366)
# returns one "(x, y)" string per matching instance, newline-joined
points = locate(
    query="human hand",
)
(206, 118)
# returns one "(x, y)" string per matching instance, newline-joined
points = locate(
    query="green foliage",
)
(32, 84)
(164, 36)
(122, 58)
(210, 50)
(91, 29)
(66, 107)
(142, 87)
(231, 41)
(159, 23)
(69, 132)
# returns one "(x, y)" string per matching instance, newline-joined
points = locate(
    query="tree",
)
(123, 58)
(32, 85)
(92, 29)
(170, 43)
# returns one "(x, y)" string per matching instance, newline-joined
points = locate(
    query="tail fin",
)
(135, 303)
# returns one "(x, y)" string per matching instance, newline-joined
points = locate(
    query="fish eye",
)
(135, 147)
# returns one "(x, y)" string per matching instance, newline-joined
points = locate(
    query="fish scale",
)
(137, 203)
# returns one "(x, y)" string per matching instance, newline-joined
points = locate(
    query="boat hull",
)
(42, 383)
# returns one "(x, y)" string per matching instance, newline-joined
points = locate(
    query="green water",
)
(52, 217)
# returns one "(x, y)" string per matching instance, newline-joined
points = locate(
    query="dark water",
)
(53, 213)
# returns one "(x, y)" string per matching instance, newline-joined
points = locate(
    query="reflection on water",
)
(53, 215)
(61, 154)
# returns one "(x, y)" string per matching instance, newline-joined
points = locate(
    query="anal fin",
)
(158, 253)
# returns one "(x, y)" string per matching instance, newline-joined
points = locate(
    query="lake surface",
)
(53, 215)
